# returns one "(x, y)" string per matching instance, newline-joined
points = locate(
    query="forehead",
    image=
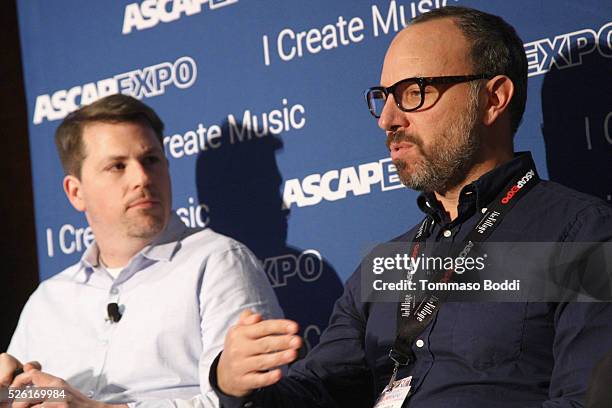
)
(101, 138)
(431, 48)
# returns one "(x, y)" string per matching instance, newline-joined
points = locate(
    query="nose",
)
(391, 117)
(141, 176)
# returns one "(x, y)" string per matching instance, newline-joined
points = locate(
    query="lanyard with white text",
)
(412, 315)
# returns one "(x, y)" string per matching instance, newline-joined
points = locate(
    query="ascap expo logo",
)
(139, 83)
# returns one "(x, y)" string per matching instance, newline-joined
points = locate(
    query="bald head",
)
(494, 48)
(435, 48)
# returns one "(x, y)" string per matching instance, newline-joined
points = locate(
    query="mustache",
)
(144, 194)
(400, 135)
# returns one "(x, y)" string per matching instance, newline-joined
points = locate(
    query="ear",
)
(500, 90)
(72, 188)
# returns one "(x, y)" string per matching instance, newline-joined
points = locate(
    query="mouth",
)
(399, 148)
(144, 203)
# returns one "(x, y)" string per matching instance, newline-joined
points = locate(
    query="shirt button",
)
(447, 233)
(484, 210)
(248, 404)
(420, 343)
(114, 291)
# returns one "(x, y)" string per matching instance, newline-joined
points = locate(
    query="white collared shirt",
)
(178, 297)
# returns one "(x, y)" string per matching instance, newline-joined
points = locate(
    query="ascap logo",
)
(140, 83)
(149, 13)
(465, 251)
(335, 185)
(520, 184)
(566, 50)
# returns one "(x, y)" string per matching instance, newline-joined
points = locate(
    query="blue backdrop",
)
(267, 132)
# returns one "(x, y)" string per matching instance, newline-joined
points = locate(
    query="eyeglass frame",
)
(421, 82)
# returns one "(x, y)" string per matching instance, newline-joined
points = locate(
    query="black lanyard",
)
(411, 321)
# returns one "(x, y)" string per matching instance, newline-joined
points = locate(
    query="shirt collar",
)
(480, 192)
(161, 248)
(168, 242)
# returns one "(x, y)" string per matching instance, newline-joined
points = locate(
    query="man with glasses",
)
(453, 91)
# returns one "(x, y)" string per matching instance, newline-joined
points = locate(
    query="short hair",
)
(117, 108)
(496, 49)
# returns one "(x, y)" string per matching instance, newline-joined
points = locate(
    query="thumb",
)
(248, 317)
(32, 365)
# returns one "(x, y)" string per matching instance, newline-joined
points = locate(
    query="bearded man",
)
(453, 91)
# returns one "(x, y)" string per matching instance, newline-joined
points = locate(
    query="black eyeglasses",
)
(412, 93)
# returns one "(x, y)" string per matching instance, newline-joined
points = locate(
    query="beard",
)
(448, 159)
(146, 223)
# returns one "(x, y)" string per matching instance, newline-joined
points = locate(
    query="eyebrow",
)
(113, 158)
(151, 150)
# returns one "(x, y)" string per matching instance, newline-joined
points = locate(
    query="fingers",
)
(8, 365)
(39, 379)
(254, 381)
(270, 328)
(10, 368)
(42, 379)
(22, 379)
(240, 364)
(39, 404)
(262, 338)
(26, 403)
(248, 316)
(32, 365)
(270, 344)
(266, 362)
(253, 351)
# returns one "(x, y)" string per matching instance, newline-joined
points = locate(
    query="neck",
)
(118, 255)
(449, 198)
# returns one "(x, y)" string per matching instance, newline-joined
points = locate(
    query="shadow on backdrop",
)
(240, 184)
(577, 122)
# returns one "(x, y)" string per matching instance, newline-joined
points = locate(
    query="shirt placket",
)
(105, 336)
(446, 234)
